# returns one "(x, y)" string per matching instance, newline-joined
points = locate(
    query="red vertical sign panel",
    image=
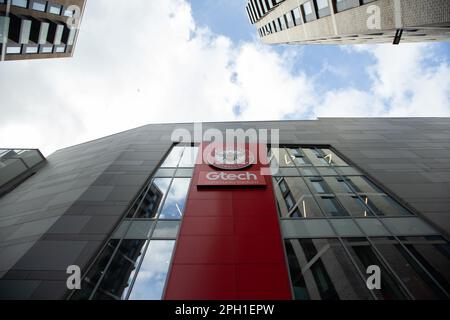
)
(229, 246)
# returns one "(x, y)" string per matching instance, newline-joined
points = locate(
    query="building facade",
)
(349, 21)
(39, 29)
(143, 218)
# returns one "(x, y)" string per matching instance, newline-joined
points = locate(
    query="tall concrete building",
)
(39, 29)
(143, 218)
(349, 21)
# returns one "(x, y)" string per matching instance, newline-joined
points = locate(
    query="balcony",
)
(16, 165)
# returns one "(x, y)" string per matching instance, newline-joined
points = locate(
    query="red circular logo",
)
(231, 159)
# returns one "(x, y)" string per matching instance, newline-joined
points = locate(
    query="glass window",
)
(290, 21)
(166, 229)
(295, 152)
(47, 49)
(385, 205)
(408, 226)
(307, 7)
(321, 270)
(55, 9)
(20, 3)
(354, 205)
(290, 202)
(150, 280)
(184, 173)
(121, 270)
(174, 157)
(297, 17)
(338, 185)
(284, 159)
(94, 273)
(322, 4)
(68, 13)
(332, 157)
(315, 157)
(306, 228)
(13, 49)
(346, 228)
(350, 171)
(60, 49)
(189, 157)
(364, 256)
(150, 201)
(174, 204)
(362, 185)
(136, 229)
(319, 185)
(331, 207)
(372, 227)
(165, 173)
(283, 186)
(433, 253)
(327, 171)
(309, 171)
(410, 272)
(283, 22)
(39, 6)
(31, 50)
(288, 172)
(294, 199)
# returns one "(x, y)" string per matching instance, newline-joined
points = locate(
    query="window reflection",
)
(166, 229)
(365, 256)
(173, 158)
(150, 201)
(321, 269)
(115, 270)
(433, 252)
(385, 205)
(121, 270)
(174, 204)
(188, 158)
(331, 206)
(355, 206)
(149, 283)
(294, 198)
(413, 276)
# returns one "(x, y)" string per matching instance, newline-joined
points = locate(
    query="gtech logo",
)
(231, 159)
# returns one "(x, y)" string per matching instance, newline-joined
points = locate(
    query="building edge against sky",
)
(349, 21)
(122, 207)
(39, 29)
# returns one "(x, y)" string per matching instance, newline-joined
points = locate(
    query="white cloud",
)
(141, 62)
(403, 84)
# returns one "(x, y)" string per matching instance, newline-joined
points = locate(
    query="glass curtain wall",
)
(135, 262)
(337, 222)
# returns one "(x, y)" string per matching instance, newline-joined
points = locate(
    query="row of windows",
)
(256, 9)
(355, 225)
(308, 156)
(333, 197)
(29, 36)
(316, 182)
(41, 6)
(335, 269)
(307, 12)
(39, 49)
(135, 262)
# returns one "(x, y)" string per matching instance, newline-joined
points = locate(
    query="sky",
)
(140, 62)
